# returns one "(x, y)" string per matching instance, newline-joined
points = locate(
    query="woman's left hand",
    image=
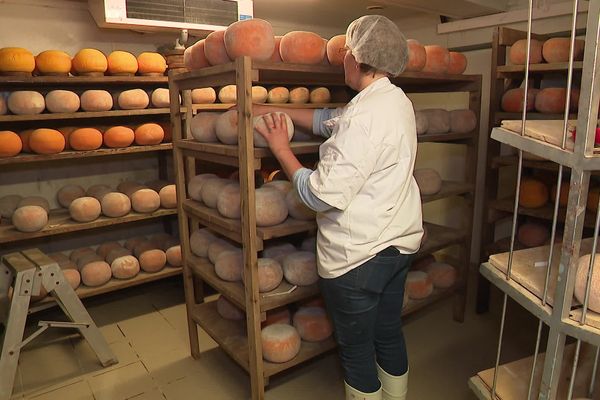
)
(275, 132)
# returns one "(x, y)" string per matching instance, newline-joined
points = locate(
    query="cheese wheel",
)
(462, 121)
(428, 180)
(118, 137)
(299, 95)
(116, 253)
(79, 253)
(115, 204)
(259, 94)
(204, 95)
(270, 274)
(228, 310)
(121, 63)
(228, 94)
(125, 267)
(228, 201)
(30, 218)
(152, 260)
(3, 106)
(133, 242)
(517, 53)
(10, 144)
(229, 265)
(89, 62)
(200, 239)
(300, 47)
(280, 343)
(98, 191)
(194, 186)
(418, 285)
(160, 98)
(34, 201)
(88, 258)
(162, 240)
(437, 59)
(25, 136)
(278, 95)
(320, 95)
(26, 102)
(278, 251)
(280, 315)
(129, 187)
(214, 48)
(283, 186)
(421, 122)
(156, 184)
(438, 120)
(73, 277)
(106, 248)
(442, 275)
(16, 59)
(300, 268)
(512, 100)
(211, 190)
(86, 139)
(149, 134)
(276, 56)
(457, 63)
(417, 56)
(173, 254)
(259, 123)
(583, 269)
(53, 62)
(251, 37)
(335, 47)
(133, 99)
(552, 100)
(151, 63)
(309, 244)
(8, 204)
(168, 197)
(68, 193)
(96, 100)
(217, 247)
(203, 127)
(297, 209)
(66, 132)
(270, 207)
(145, 201)
(96, 274)
(532, 234)
(557, 50)
(226, 127)
(62, 101)
(313, 324)
(194, 57)
(533, 193)
(85, 209)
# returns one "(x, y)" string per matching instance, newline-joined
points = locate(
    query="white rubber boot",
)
(353, 394)
(394, 387)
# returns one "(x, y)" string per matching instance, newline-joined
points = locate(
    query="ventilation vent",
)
(209, 12)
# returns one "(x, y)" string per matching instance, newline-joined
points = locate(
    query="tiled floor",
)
(146, 328)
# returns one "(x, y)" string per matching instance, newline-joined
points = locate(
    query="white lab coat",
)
(365, 173)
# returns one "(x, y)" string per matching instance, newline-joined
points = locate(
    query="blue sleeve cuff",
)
(300, 179)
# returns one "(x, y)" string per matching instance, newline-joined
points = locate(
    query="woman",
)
(368, 206)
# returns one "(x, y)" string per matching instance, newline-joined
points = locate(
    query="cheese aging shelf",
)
(242, 341)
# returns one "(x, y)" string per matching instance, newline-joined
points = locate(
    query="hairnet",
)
(377, 41)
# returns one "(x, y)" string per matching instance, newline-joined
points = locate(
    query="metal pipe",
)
(570, 73)
(574, 370)
(553, 233)
(594, 371)
(590, 273)
(535, 357)
(493, 394)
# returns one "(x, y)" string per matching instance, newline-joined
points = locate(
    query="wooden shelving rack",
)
(538, 279)
(242, 340)
(59, 221)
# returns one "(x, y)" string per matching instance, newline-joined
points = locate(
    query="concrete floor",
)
(146, 328)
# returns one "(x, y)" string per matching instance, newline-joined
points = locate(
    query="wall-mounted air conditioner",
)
(199, 17)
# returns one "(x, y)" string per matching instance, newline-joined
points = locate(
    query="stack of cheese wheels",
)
(53, 62)
(253, 38)
(280, 343)
(16, 61)
(313, 324)
(300, 47)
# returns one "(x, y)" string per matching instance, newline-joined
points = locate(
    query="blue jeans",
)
(365, 305)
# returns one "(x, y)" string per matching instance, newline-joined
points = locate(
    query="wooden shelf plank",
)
(234, 291)
(504, 70)
(232, 150)
(546, 212)
(83, 114)
(500, 161)
(82, 80)
(231, 336)
(501, 116)
(60, 222)
(110, 286)
(439, 237)
(444, 137)
(449, 189)
(29, 158)
(227, 106)
(513, 377)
